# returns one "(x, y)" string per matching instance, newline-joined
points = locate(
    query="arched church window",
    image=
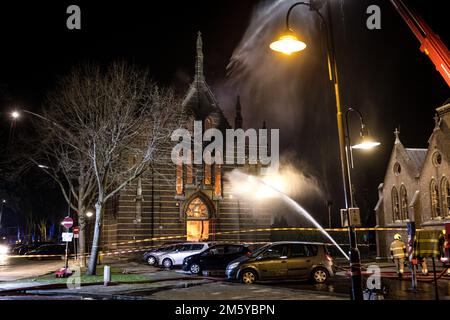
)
(189, 170)
(179, 177)
(197, 209)
(445, 194)
(197, 224)
(395, 204)
(218, 178)
(207, 167)
(434, 199)
(404, 203)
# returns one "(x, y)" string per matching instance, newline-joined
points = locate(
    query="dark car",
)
(49, 251)
(284, 260)
(24, 248)
(216, 257)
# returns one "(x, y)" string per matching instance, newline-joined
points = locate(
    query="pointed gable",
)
(411, 160)
(199, 100)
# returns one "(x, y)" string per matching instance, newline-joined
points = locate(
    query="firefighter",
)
(398, 253)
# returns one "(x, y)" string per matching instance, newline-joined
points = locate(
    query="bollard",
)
(106, 275)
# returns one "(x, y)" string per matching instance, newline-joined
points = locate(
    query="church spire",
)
(397, 136)
(199, 61)
(238, 117)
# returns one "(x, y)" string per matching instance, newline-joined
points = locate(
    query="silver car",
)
(176, 257)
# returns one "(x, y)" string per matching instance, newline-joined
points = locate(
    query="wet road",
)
(397, 289)
(18, 268)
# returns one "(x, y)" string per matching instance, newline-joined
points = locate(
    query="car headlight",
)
(233, 265)
(4, 249)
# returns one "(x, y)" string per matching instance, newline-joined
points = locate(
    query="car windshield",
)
(257, 252)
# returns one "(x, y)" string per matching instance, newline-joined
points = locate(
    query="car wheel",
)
(195, 268)
(248, 276)
(151, 260)
(167, 263)
(320, 275)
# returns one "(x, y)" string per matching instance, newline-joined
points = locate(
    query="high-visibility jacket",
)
(428, 243)
(398, 249)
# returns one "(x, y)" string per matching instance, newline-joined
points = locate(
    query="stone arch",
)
(198, 213)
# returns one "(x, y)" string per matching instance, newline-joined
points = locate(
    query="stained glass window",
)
(197, 209)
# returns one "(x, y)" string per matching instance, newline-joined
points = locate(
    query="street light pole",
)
(1, 211)
(355, 261)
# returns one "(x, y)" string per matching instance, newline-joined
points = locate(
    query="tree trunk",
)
(82, 234)
(96, 239)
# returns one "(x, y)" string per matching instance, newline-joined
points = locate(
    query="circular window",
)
(397, 168)
(437, 159)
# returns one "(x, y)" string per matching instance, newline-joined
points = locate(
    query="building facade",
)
(178, 202)
(416, 186)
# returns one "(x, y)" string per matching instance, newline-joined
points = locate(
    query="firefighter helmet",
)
(397, 236)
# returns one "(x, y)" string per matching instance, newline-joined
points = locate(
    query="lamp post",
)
(365, 142)
(1, 211)
(288, 43)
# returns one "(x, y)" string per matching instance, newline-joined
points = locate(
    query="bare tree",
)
(110, 126)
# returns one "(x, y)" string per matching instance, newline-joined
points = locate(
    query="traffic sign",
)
(67, 236)
(76, 230)
(67, 222)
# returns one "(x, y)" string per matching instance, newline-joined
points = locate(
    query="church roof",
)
(199, 100)
(417, 157)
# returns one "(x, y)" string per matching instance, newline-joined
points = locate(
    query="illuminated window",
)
(198, 229)
(217, 180)
(179, 178)
(404, 203)
(445, 195)
(207, 174)
(189, 171)
(434, 199)
(395, 205)
(197, 209)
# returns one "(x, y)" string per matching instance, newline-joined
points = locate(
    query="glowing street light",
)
(89, 214)
(366, 143)
(288, 44)
(15, 115)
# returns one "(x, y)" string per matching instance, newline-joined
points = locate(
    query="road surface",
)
(12, 269)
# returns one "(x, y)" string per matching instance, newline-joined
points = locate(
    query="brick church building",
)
(185, 202)
(416, 186)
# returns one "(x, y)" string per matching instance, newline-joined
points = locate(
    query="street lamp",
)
(89, 214)
(365, 142)
(288, 43)
(1, 211)
(15, 115)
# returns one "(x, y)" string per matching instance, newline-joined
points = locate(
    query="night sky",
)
(383, 73)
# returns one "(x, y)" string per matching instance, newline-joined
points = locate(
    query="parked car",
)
(284, 260)
(24, 248)
(215, 258)
(151, 257)
(176, 257)
(49, 251)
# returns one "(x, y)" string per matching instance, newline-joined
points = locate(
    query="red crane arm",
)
(430, 42)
